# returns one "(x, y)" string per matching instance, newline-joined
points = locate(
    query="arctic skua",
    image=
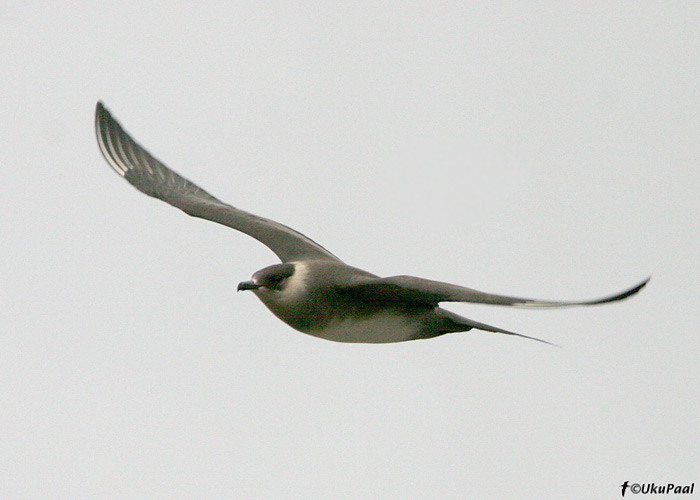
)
(312, 290)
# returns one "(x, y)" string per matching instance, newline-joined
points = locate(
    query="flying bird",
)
(312, 290)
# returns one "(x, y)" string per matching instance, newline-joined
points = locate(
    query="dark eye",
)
(275, 280)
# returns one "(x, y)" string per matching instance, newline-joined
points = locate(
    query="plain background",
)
(542, 149)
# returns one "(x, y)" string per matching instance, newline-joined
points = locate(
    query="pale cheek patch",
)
(296, 284)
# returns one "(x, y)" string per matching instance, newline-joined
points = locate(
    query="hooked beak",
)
(247, 285)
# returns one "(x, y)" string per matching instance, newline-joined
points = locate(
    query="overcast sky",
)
(547, 150)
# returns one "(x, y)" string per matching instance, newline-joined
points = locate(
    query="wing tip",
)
(628, 293)
(101, 114)
(105, 126)
(536, 304)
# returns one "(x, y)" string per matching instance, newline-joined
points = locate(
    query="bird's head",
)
(269, 279)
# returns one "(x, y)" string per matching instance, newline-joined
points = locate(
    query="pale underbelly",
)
(377, 329)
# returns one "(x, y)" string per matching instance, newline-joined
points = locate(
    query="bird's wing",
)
(151, 177)
(419, 290)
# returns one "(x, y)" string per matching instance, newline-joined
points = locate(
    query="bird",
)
(312, 290)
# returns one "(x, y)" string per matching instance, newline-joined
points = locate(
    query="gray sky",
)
(546, 150)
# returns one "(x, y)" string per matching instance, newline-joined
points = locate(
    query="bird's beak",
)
(247, 285)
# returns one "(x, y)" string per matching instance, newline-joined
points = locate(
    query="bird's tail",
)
(462, 324)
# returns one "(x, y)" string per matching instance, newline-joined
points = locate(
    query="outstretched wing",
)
(419, 290)
(151, 177)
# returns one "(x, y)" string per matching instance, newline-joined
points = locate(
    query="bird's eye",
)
(274, 281)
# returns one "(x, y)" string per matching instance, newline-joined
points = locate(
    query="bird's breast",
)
(377, 329)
